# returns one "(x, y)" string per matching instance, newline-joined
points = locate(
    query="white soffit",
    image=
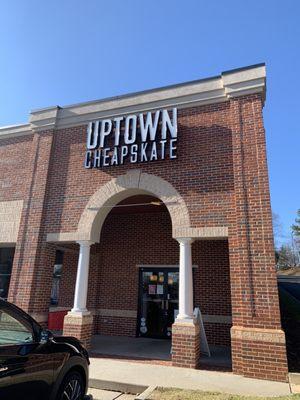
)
(217, 89)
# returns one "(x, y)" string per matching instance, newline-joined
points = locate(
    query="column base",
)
(79, 325)
(259, 353)
(185, 344)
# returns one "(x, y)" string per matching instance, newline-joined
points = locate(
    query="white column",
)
(82, 278)
(185, 280)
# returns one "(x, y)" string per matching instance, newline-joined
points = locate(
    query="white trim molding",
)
(203, 233)
(45, 118)
(229, 84)
(258, 334)
(13, 131)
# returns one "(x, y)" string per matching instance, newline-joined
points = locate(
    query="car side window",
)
(12, 331)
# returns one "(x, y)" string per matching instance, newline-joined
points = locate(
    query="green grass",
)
(179, 394)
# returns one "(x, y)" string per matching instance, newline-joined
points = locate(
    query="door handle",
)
(3, 369)
(167, 305)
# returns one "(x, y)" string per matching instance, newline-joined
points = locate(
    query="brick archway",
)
(132, 183)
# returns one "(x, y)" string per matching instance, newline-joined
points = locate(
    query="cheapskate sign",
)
(136, 138)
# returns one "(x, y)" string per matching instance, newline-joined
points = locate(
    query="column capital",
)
(184, 240)
(85, 242)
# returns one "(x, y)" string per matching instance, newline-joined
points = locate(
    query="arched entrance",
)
(137, 276)
(79, 321)
(132, 183)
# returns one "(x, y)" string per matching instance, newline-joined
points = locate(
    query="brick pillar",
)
(185, 344)
(31, 278)
(259, 353)
(79, 326)
(258, 343)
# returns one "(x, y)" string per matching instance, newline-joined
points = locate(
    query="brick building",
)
(148, 205)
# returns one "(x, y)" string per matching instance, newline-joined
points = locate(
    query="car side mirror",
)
(45, 336)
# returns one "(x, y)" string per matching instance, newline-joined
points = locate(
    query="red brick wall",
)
(258, 359)
(115, 326)
(34, 258)
(252, 262)
(251, 236)
(212, 287)
(15, 167)
(203, 172)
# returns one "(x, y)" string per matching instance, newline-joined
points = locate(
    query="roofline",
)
(131, 94)
(229, 84)
(157, 89)
(230, 71)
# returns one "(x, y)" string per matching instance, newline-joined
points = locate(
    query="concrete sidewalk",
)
(142, 374)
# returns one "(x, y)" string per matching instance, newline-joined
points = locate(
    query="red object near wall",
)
(56, 320)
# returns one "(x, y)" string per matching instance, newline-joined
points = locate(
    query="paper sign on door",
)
(152, 289)
(160, 289)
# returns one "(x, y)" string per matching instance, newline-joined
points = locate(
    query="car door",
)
(26, 365)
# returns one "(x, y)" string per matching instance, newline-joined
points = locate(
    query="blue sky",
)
(68, 51)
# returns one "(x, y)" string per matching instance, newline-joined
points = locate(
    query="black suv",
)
(36, 365)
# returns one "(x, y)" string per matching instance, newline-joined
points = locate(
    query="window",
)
(6, 261)
(12, 331)
(57, 270)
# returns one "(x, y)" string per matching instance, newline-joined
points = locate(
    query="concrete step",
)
(115, 386)
(294, 378)
(294, 382)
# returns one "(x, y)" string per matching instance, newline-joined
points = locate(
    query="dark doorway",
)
(289, 296)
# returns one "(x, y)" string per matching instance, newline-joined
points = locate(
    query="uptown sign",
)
(133, 138)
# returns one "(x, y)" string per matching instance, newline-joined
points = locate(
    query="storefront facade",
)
(148, 204)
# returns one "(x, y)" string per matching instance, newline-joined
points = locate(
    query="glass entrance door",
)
(158, 300)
